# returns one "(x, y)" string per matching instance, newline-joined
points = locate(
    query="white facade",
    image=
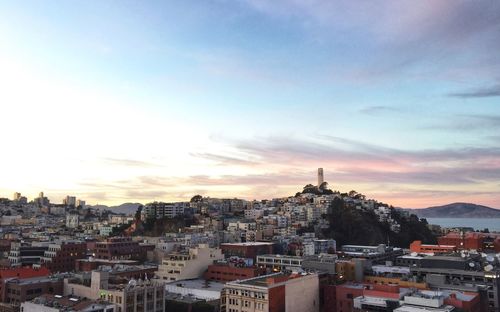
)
(189, 265)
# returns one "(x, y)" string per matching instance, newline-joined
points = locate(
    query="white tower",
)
(320, 176)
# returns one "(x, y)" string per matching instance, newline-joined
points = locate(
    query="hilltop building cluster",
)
(234, 255)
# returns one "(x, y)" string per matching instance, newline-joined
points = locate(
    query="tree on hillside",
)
(196, 198)
(138, 213)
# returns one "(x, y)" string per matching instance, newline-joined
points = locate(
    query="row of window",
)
(247, 293)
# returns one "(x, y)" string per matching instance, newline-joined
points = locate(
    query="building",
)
(18, 273)
(277, 263)
(227, 272)
(17, 290)
(323, 246)
(58, 303)
(26, 254)
(463, 274)
(277, 292)
(188, 265)
(486, 242)
(418, 247)
(61, 257)
(72, 220)
(321, 178)
(160, 210)
(69, 201)
(248, 250)
(128, 295)
(119, 248)
(320, 263)
(375, 254)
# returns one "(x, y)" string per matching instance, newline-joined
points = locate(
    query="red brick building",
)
(61, 257)
(249, 250)
(472, 240)
(418, 247)
(21, 272)
(227, 273)
(17, 291)
(119, 248)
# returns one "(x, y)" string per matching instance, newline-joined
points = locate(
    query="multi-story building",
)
(26, 254)
(324, 246)
(17, 290)
(69, 201)
(160, 210)
(464, 274)
(61, 256)
(72, 220)
(226, 272)
(190, 264)
(375, 254)
(132, 296)
(418, 247)
(248, 250)
(278, 263)
(273, 293)
(472, 240)
(18, 273)
(119, 248)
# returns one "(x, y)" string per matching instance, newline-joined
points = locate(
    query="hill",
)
(353, 226)
(457, 210)
(126, 208)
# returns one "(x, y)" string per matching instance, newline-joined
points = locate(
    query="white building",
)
(72, 220)
(188, 265)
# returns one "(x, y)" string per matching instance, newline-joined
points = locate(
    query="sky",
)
(135, 101)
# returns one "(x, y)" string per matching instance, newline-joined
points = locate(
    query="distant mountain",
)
(126, 208)
(457, 210)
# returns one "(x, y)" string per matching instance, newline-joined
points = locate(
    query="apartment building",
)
(188, 265)
(132, 296)
(61, 257)
(277, 292)
(119, 248)
(277, 263)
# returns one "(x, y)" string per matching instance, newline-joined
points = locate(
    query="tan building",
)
(276, 292)
(132, 296)
(188, 265)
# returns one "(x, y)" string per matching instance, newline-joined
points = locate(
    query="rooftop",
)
(411, 308)
(248, 244)
(74, 303)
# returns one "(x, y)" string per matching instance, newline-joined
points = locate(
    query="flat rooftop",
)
(411, 308)
(198, 283)
(281, 256)
(248, 244)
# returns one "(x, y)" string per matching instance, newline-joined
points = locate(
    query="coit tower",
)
(320, 176)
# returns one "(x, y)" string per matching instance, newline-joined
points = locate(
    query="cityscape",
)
(250, 156)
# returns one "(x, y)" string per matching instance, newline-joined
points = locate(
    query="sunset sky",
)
(118, 101)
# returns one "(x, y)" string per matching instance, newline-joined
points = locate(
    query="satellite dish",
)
(132, 283)
(488, 268)
(471, 264)
(414, 254)
(490, 258)
(462, 255)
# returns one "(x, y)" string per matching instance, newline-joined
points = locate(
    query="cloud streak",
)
(493, 91)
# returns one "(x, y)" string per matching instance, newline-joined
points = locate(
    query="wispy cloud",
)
(492, 91)
(129, 162)
(378, 110)
(467, 123)
(224, 160)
